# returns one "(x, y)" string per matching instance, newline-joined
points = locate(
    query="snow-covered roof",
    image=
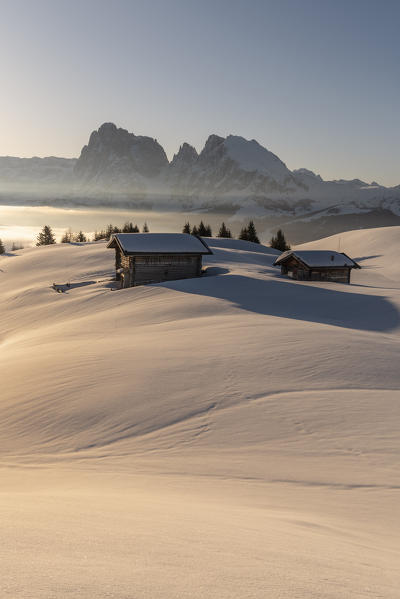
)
(318, 258)
(159, 243)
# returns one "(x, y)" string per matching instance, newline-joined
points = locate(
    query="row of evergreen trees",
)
(46, 236)
(15, 246)
(248, 233)
(69, 236)
(202, 230)
(128, 227)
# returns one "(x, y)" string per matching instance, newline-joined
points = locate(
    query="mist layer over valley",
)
(231, 179)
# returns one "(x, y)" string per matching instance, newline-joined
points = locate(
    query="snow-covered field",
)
(229, 437)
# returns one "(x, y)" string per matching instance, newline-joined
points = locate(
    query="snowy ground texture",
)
(234, 436)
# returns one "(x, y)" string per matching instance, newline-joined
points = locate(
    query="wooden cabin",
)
(316, 265)
(143, 258)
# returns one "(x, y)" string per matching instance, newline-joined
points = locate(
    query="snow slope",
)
(231, 436)
(376, 249)
(251, 156)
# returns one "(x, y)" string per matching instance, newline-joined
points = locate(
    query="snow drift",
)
(229, 436)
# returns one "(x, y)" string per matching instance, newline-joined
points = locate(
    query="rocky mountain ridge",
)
(232, 175)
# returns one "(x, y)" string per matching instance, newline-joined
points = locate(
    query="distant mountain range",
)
(231, 175)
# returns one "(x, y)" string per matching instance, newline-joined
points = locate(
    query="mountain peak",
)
(186, 156)
(112, 151)
(107, 127)
(212, 143)
(250, 156)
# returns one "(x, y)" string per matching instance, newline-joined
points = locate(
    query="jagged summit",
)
(113, 152)
(186, 156)
(212, 143)
(230, 173)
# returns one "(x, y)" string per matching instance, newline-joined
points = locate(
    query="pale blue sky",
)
(317, 82)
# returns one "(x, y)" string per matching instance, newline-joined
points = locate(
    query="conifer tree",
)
(249, 233)
(243, 235)
(127, 228)
(81, 237)
(252, 233)
(202, 230)
(279, 242)
(195, 230)
(208, 232)
(224, 231)
(100, 235)
(187, 228)
(2, 248)
(67, 237)
(109, 231)
(16, 246)
(46, 236)
(145, 228)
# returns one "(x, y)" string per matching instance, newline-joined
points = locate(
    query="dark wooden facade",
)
(297, 268)
(138, 268)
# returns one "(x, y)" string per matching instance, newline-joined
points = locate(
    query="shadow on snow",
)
(289, 299)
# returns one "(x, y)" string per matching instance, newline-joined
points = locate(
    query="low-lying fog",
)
(22, 224)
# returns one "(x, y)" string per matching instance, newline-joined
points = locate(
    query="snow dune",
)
(231, 436)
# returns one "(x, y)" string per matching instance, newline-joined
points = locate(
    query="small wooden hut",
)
(316, 265)
(143, 258)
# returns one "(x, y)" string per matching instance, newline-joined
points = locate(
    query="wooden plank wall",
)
(148, 269)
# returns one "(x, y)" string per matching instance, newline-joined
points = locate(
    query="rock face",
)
(114, 156)
(185, 158)
(236, 166)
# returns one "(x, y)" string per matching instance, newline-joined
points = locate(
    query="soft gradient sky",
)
(317, 82)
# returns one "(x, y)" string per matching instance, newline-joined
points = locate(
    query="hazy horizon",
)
(170, 156)
(316, 84)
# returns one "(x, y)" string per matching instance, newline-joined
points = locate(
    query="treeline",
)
(202, 230)
(15, 246)
(247, 233)
(46, 236)
(128, 227)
